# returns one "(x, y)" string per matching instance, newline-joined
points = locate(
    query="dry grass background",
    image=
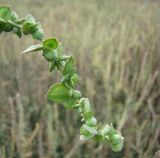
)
(117, 51)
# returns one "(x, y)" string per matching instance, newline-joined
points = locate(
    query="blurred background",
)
(117, 52)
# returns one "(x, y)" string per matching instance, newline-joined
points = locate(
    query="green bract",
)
(69, 67)
(59, 93)
(50, 44)
(38, 34)
(5, 13)
(33, 48)
(91, 122)
(64, 92)
(117, 147)
(87, 132)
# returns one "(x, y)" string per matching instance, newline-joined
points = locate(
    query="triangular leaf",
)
(52, 66)
(29, 18)
(69, 67)
(33, 48)
(14, 16)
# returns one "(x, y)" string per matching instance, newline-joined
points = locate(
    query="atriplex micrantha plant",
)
(63, 92)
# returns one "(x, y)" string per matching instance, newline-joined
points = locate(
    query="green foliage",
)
(59, 93)
(87, 132)
(69, 67)
(5, 13)
(64, 92)
(50, 44)
(33, 48)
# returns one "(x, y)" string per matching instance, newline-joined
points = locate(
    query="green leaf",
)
(88, 115)
(70, 103)
(85, 105)
(111, 131)
(60, 49)
(2, 25)
(50, 44)
(86, 109)
(77, 94)
(52, 66)
(5, 13)
(59, 93)
(99, 138)
(65, 78)
(17, 32)
(91, 122)
(50, 55)
(33, 48)
(20, 21)
(116, 138)
(30, 19)
(87, 132)
(69, 67)
(104, 130)
(64, 57)
(29, 28)
(117, 147)
(14, 16)
(74, 80)
(8, 27)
